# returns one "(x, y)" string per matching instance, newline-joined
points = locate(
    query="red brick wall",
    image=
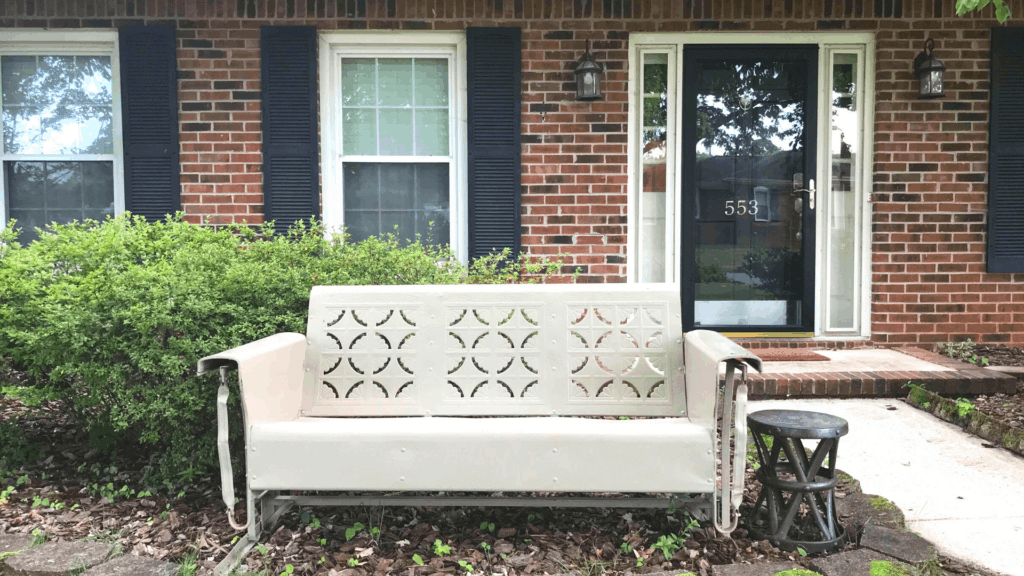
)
(931, 166)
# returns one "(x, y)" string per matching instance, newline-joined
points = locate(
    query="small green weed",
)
(964, 407)
(692, 525)
(959, 350)
(467, 566)
(350, 533)
(625, 548)
(6, 555)
(801, 552)
(288, 570)
(312, 521)
(489, 526)
(38, 537)
(590, 567)
(440, 549)
(485, 547)
(353, 562)
(668, 544)
(417, 559)
(189, 564)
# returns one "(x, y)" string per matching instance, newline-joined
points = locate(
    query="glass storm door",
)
(747, 167)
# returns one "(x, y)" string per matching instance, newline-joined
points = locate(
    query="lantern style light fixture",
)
(929, 72)
(588, 77)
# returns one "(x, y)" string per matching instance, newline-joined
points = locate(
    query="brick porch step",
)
(875, 372)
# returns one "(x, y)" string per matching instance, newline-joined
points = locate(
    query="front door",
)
(748, 163)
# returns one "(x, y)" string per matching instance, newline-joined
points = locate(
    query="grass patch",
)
(880, 503)
(886, 568)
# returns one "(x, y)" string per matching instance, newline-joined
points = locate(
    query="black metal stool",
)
(813, 485)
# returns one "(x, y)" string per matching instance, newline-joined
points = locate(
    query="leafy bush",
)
(112, 317)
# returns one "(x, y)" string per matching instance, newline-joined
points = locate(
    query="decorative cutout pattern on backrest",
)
(371, 355)
(492, 353)
(494, 350)
(617, 353)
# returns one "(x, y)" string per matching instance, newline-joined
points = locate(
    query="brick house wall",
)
(930, 168)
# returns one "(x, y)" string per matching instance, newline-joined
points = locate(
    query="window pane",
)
(432, 186)
(44, 192)
(431, 82)
(394, 82)
(401, 223)
(431, 132)
(22, 127)
(842, 205)
(397, 185)
(359, 130)
(57, 104)
(379, 196)
(358, 81)
(361, 187)
(655, 73)
(655, 169)
(64, 186)
(395, 132)
(18, 72)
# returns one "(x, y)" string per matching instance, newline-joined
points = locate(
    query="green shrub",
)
(113, 316)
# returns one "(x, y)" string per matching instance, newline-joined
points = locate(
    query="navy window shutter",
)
(1006, 152)
(291, 179)
(149, 119)
(493, 62)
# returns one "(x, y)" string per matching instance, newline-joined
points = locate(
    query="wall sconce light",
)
(929, 72)
(588, 77)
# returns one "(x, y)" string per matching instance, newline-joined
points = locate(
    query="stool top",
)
(797, 424)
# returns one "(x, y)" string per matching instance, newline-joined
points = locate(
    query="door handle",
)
(811, 194)
(798, 205)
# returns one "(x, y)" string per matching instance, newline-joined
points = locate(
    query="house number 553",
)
(740, 207)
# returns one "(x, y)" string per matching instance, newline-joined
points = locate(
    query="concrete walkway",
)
(965, 498)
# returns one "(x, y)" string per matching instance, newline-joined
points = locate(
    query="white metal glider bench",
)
(376, 398)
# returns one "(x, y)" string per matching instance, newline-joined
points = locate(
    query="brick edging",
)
(960, 379)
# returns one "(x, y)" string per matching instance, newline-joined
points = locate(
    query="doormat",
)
(783, 355)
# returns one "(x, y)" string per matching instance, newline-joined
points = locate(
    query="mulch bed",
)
(588, 542)
(1007, 409)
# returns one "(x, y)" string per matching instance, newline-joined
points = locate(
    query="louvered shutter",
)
(291, 187)
(1006, 153)
(149, 119)
(493, 74)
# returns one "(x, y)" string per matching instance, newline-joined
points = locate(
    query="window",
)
(656, 158)
(61, 132)
(393, 110)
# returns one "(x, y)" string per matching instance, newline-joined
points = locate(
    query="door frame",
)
(828, 42)
(810, 53)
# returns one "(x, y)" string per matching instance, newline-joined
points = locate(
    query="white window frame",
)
(39, 42)
(396, 44)
(828, 43)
